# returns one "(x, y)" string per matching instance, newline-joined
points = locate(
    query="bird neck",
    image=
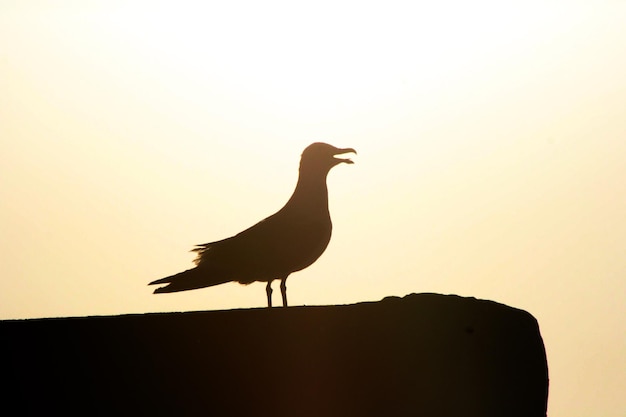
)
(311, 193)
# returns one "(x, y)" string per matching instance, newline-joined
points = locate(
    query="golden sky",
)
(491, 140)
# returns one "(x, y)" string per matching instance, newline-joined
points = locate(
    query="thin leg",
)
(268, 290)
(283, 290)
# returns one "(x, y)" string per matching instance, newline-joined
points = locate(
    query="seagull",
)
(285, 242)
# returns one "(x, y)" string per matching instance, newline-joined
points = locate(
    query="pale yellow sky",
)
(491, 144)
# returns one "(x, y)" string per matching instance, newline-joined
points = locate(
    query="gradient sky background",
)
(491, 140)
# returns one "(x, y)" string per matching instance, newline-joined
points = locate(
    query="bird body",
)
(287, 241)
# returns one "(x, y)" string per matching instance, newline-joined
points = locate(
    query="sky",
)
(491, 143)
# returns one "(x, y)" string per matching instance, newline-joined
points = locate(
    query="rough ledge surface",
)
(422, 355)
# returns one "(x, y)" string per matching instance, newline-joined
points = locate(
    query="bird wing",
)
(274, 247)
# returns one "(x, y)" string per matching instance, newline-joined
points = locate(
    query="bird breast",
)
(300, 242)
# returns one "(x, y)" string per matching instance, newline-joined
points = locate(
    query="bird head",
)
(321, 157)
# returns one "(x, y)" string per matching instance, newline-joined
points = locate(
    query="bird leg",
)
(268, 290)
(283, 290)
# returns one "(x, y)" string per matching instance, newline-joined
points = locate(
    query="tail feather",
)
(188, 280)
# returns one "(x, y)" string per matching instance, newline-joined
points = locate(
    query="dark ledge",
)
(421, 355)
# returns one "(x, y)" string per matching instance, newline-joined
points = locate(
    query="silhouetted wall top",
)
(424, 354)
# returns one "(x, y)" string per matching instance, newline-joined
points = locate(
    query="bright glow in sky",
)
(491, 144)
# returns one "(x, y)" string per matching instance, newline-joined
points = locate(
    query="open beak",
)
(342, 151)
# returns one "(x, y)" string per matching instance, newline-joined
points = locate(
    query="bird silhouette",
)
(287, 241)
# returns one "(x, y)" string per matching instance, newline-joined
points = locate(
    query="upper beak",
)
(342, 151)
